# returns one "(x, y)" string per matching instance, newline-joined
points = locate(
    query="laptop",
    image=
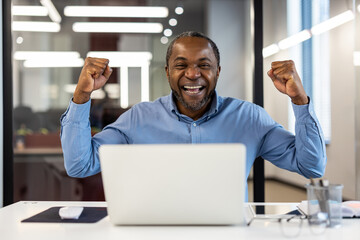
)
(174, 184)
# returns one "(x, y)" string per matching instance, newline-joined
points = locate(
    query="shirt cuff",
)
(304, 113)
(77, 112)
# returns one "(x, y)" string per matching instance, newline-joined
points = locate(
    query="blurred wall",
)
(341, 150)
(228, 25)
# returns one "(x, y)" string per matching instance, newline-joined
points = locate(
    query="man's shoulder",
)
(152, 105)
(235, 102)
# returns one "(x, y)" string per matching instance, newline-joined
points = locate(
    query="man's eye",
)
(180, 66)
(205, 65)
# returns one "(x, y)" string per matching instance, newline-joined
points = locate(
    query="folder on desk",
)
(51, 215)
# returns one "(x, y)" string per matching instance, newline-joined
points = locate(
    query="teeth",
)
(192, 87)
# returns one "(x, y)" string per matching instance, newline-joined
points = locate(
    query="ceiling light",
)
(294, 39)
(164, 40)
(19, 40)
(47, 63)
(173, 22)
(270, 50)
(114, 11)
(29, 11)
(332, 22)
(119, 59)
(117, 27)
(28, 26)
(167, 32)
(179, 10)
(26, 55)
(53, 13)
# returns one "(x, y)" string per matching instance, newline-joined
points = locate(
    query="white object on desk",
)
(70, 212)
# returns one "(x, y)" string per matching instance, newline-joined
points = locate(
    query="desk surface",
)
(12, 228)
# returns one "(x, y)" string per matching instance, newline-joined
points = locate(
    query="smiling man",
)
(194, 113)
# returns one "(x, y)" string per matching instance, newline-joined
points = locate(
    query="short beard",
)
(195, 106)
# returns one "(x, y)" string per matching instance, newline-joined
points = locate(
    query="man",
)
(194, 113)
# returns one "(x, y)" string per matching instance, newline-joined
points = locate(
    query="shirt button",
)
(194, 124)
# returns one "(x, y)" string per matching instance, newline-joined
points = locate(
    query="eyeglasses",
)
(291, 225)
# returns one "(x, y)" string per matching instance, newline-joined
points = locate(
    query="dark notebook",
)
(51, 215)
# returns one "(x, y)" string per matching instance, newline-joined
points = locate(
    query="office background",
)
(42, 87)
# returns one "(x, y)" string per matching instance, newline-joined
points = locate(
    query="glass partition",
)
(319, 36)
(51, 39)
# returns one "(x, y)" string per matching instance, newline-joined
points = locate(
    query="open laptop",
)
(174, 184)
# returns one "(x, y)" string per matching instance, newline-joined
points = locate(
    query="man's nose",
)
(192, 72)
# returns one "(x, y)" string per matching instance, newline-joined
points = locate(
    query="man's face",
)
(192, 73)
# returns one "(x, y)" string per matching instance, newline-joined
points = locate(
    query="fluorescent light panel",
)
(322, 27)
(120, 59)
(294, 39)
(117, 27)
(26, 55)
(47, 63)
(270, 50)
(53, 13)
(29, 11)
(29, 26)
(332, 22)
(116, 11)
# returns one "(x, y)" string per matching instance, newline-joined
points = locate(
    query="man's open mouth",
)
(193, 89)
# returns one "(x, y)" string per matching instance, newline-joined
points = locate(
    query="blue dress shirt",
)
(228, 120)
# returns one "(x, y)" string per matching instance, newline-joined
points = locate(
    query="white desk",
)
(11, 228)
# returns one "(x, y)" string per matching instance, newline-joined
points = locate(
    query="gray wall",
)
(228, 25)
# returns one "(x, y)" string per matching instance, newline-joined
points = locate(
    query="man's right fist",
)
(93, 76)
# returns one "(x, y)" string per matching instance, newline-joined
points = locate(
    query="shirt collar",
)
(214, 108)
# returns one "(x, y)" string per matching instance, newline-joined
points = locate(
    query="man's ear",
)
(167, 72)
(218, 71)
